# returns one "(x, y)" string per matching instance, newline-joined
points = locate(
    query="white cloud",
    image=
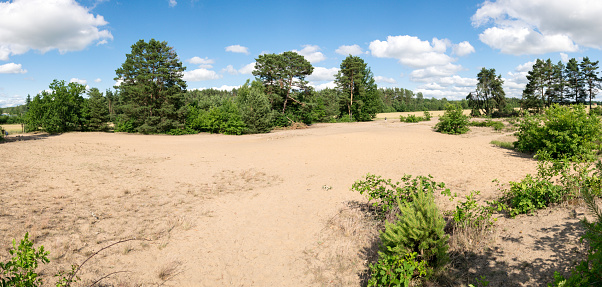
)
(463, 49)
(247, 69)
(411, 51)
(564, 57)
(434, 72)
(319, 87)
(63, 25)
(353, 50)
(200, 61)
(98, 80)
(12, 68)
(311, 53)
(79, 81)
(11, 101)
(381, 79)
(323, 74)
(226, 88)
(230, 70)
(540, 26)
(237, 49)
(200, 74)
(173, 3)
(516, 81)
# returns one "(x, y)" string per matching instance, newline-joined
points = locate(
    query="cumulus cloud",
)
(540, 26)
(323, 74)
(173, 3)
(64, 25)
(434, 72)
(98, 80)
(237, 49)
(79, 81)
(319, 87)
(247, 69)
(11, 101)
(200, 61)
(200, 74)
(381, 79)
(12, 68)
(463, 49)
(411, 51)
(564, 57)
(311, 53)
(353, 50)
(230, 70)
(516, 81)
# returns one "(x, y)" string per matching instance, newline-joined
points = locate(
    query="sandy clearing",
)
(240, 210)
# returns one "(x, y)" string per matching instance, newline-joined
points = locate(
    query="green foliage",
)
(20, 271)
(489, 94)
(531, 194)
(453, 121)
(396, 270)
(59, 110)
(562, 132)
(419, 228)
(496, 125)
(414, 119)
(469, 213)
(225, 119)
(151, 89)
(96, 111)
(385, 195)
(359, 96)
(254, 107)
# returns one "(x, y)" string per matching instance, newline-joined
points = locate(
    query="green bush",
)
(21, 269)
(532, 193)
(224, 119)
(427, 116)
(254, 108)
(395, 270)
(562, 131)
(385, 195)
(419, 228)
(415, 119)
(453, 121)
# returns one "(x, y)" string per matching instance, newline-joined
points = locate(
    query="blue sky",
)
(433, 47)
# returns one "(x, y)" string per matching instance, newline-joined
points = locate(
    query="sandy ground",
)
(216, 210)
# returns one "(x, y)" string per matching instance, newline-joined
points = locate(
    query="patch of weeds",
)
(384, 194)
(496, 125)
(502, 144)
(395, 270)
(414, 119)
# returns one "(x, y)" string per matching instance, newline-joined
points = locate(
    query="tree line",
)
(152, 97)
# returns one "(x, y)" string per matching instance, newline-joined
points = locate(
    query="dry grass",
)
(13, 129)
(169, 270)
(334, 260)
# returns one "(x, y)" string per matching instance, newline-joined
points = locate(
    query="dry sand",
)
(247, 210)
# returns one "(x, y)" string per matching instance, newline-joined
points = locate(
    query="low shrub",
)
(414, 119)
(395, 270)
(385, 195)
(532, 193)
(453, 121)
(21, 269)
(419, 228)
(561, 131)
(470, 214)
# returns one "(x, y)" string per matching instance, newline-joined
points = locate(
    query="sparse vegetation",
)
(496, 125)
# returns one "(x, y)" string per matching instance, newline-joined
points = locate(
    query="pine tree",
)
(420, 229)
(151, 88)
(575, 85)
(358, 89)
(590, 78)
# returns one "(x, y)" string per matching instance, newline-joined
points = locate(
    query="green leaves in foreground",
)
(20, 270)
